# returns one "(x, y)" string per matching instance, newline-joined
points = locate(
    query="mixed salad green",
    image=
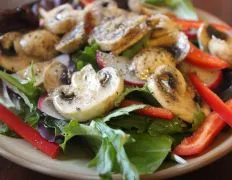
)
(182, 8)
(130, 85)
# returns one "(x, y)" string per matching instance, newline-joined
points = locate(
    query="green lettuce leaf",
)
(56, 124)
(184, 9)
(160, 126)
(112, 150)
(148, 152)
(27, 91)
(4, 130)
(198, 119)
(86, 56)
(130, 123)
(105, 159)
(169, 3)
(75, 129)
(31, 118)
(117, 139)
(111, 155)
(122, 111)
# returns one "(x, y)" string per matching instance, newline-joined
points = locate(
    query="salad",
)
(139, 87)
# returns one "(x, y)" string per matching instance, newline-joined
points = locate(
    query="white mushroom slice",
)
(206, 32)
(122, 64)
(118, 33)
(7, 40)
(164, 41)
(181, 48)
(56, 75)
(147, 60)
(39, 44)
(51, 73)
(61, 19)
(102, 9)
(16, 63)
(176, 42)
(90, 94)
(221, 48)
(216, 42)
(166, 34)
(72, 40)
(162, 25)
(168, 87)
(86, 78)
(46, 106)
(203, 37)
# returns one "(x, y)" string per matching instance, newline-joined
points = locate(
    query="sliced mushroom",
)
(162, 25)
(166, 34)
(221, 48)
(39, 44)
(7, 40)
(206, 32)
(203, 37)
(16, 63)
(181, 48)
(168, 86)
(51, 74)
(216, 42)
(176, 42)
(164, 41)
(72, 40)
(118, 33)
(102, 9)
(56, 75)
(90, 94)
(147, 60)
(61, 19)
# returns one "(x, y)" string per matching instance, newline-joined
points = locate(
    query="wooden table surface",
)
(218, 170)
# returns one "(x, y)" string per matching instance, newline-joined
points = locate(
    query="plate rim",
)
(196, 163)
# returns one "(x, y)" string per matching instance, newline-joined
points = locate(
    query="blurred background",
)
(220, 8)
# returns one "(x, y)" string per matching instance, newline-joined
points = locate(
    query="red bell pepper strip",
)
(190, 24)
(28, 133)
(204, 60)
(203, 136)
(150, 111)
(86, 2)
(212, 99)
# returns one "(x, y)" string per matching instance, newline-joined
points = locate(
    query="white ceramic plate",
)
(73, 165)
